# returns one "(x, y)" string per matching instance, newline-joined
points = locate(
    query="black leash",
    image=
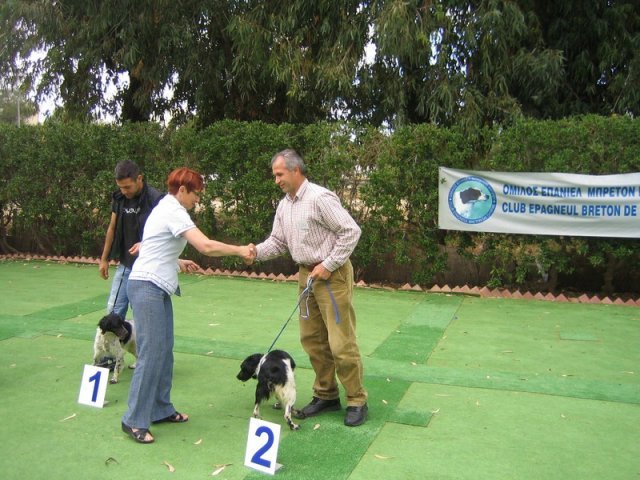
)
(115, 299)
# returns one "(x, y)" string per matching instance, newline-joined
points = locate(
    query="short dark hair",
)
(292, 159)
(127, 169)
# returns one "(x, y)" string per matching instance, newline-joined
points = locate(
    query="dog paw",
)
(295, 426)
(277, 406)
(113, 381)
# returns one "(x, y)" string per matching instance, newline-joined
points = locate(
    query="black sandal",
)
(176, 417)
(139, 435)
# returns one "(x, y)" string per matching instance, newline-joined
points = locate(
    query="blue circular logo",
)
(472, 200)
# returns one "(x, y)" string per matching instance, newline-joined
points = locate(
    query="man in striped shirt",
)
(313, 226)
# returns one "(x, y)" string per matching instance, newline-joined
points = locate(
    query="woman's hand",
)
(249, 253)
(188, 266)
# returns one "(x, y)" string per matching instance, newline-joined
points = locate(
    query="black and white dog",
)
(274, 372)
(114, 337)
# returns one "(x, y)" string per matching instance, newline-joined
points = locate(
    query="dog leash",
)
(305, 291)
(115, 299)
(333, 302)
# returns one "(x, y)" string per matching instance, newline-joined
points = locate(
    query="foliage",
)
(402, 196)
(472, 64)
(56, 181)
(591, 145)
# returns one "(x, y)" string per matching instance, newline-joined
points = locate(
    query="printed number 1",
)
(257, 457)
(95, 378)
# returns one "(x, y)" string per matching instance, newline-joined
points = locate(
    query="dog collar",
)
(264, 357)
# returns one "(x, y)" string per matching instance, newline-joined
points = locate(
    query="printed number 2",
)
(257, 457)
(95, 378)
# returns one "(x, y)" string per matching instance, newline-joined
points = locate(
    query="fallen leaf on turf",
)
(435, 411)
(198, 442)
(316, 426)
(219, 469)
(169, 466)
(381, 457)
(414, 363)
(388, 380)
(111, 460)
(385, 402)
(68, 418)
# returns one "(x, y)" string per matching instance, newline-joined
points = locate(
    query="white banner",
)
(540, 203)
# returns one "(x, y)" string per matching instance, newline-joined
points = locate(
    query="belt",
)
(309, 267)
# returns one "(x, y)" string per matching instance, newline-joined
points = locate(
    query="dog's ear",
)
(115, 318)
(110, 322)
(248, 367)
(103, 323)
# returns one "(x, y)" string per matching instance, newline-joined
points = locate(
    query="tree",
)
(222, 59)
(448, 62)
(488, 62)
(297, 60)
(88, 44)
(453, 62)
(600, 42)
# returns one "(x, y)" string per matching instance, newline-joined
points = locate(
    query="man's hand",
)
(104, 269)
(253, 253)
(320, 273)
(135, 249)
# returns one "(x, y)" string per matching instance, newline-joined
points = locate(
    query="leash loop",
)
(305, 291)
(305, 316)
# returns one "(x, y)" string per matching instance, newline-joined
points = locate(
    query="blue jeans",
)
(150, 391)
(118, 298)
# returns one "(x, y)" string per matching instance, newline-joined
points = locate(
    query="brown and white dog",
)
(114, 337)
(274, 372)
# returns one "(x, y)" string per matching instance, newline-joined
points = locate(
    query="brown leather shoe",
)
(356, 415)
(318, 406)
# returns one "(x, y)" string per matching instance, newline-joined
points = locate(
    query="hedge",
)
(57, 180)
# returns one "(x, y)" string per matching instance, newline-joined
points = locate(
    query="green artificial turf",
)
(459, 387)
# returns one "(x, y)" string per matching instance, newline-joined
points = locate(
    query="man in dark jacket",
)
(130, 207)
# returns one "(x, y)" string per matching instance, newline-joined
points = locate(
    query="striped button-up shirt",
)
(313, 227)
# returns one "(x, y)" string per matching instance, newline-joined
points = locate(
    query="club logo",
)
(472, 200)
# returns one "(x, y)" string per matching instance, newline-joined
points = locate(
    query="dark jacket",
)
(149, 198)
